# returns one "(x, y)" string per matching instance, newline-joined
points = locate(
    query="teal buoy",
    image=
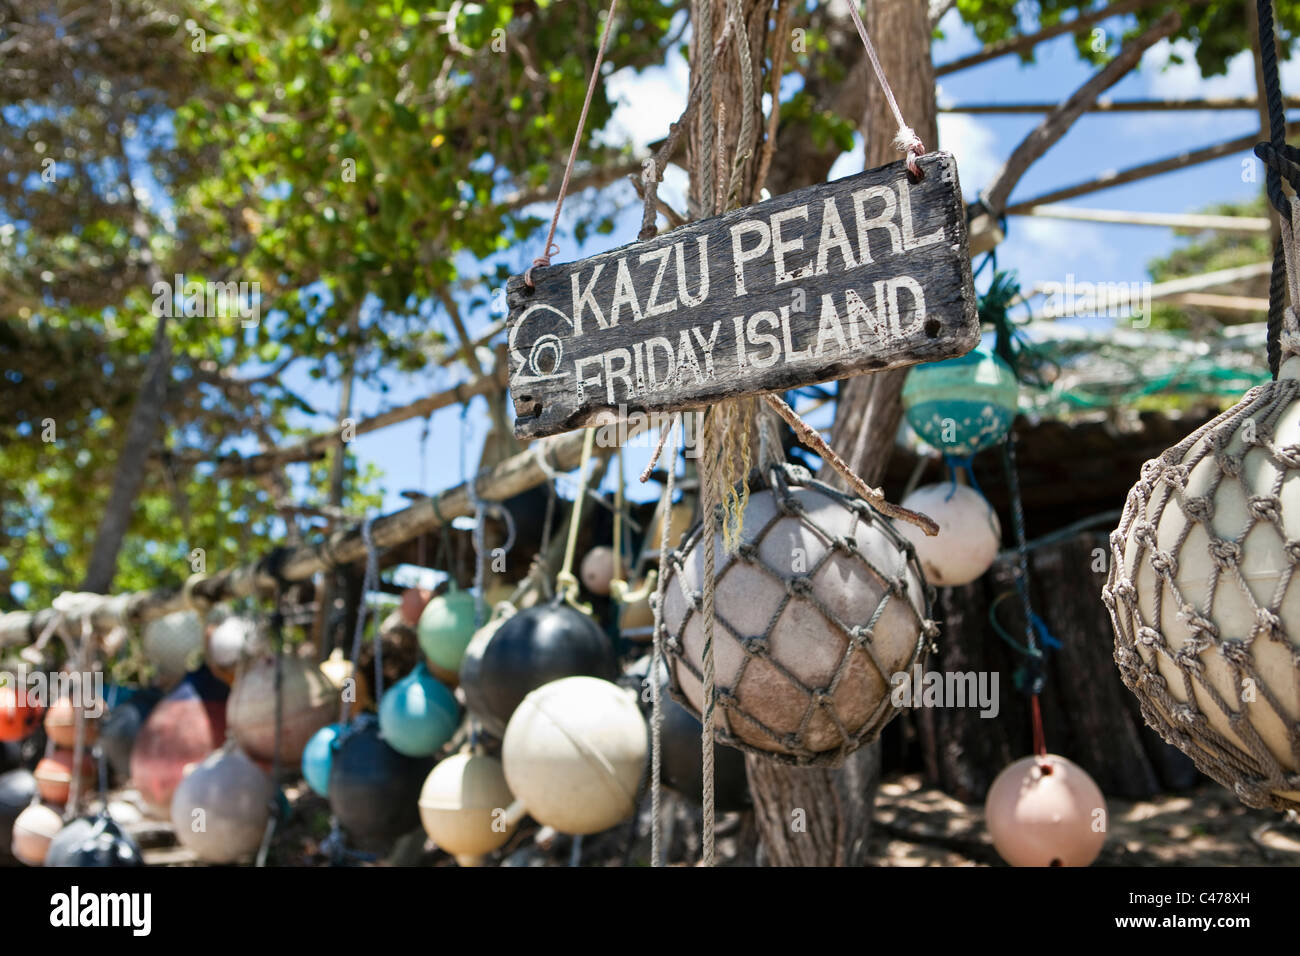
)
(316, 758)
(963, 405)
(417, 715)
(445, 628)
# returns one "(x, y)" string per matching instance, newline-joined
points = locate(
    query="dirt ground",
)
(914, 826)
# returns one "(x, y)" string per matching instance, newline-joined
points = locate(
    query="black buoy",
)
(683, 760)
(17, 788)
(11, 755)
(118, 731)
(533, 647)
(93, 842)
(681, 753)
(374, 791)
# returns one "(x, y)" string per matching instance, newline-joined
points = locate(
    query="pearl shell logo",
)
(538, 328)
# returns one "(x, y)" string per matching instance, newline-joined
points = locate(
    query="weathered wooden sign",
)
(868, 273)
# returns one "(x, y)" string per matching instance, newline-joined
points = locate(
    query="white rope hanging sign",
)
(868, 273)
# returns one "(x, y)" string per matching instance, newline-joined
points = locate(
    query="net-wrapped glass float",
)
(1202, 597)
(1202, 590)
(822, 603)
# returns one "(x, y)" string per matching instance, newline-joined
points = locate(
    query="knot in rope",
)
(1199, 507)
(1267, 623)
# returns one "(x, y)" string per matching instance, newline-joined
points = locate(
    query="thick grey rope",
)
(708, 470)
(704, 24)
(747, 96)
(657, 655)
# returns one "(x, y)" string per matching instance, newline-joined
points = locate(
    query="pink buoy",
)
(597, 570)
(1046, 811)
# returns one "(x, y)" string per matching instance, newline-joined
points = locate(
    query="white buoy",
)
(220, 809)
(230, 641)
(597, 569)
(969, 533)
(574, 752)
(172, 643)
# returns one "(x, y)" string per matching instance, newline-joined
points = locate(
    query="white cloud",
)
(976, 147)
(648, 102)
(1184, 81)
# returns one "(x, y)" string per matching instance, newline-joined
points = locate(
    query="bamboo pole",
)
(1105, 105)
(1217, 302)
(1243, 225)
(511, 477)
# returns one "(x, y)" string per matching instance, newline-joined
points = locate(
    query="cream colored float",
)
(969, 533)
(574, 753)
(1203, 596)
(309, 703)
(597, 570)
(33, 830)
(464, 804)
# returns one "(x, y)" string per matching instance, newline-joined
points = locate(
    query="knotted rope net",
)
(1198, 589)
(820, 605)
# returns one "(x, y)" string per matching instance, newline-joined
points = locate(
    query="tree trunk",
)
(1089, 716)
(837, 804)
(142, 430)
(145, 423)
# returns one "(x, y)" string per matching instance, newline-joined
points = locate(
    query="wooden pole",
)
(1021, 43)
(1105, 105)
(512, 477)
(1242, 225)
(317, 445)
(1160, 291)
(1132, 174)
(1057, 123)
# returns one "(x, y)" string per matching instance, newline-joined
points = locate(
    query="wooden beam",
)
(1055, 125)
(1216, 302)
(1241, 225)
(1120, 177)
(1105, 105)
(1124, 294)
(1022, 43)
(317, 445)
(511, 477)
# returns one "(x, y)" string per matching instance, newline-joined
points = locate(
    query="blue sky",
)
(1039, 249)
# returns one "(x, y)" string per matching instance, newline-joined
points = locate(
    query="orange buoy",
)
(413, 602)
(18, 717)
(61, 723)
(54, 776)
